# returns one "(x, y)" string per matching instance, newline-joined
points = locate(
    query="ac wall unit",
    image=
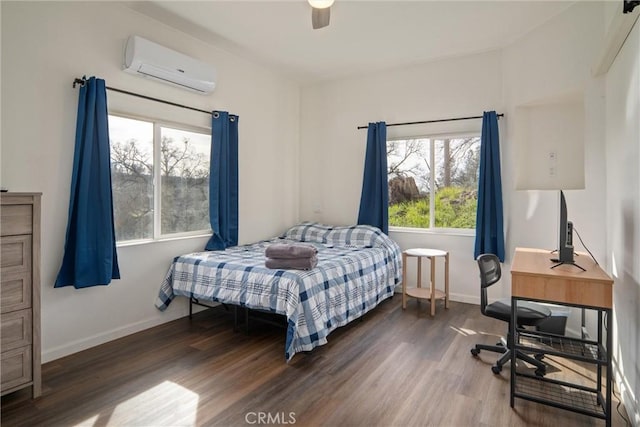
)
(148, 59)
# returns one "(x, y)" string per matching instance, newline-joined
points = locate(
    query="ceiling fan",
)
(320, 13)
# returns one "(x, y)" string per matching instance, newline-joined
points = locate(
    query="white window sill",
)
(439, 231)
(162, 239)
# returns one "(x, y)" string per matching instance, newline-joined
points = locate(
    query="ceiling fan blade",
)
(320, 17)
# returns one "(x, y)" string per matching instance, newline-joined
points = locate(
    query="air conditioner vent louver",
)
(148, 59)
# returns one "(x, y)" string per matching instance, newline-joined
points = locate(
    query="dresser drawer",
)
(16, 219)
(16, 329)
(15, 254)
(20, 349)
(16, 368)
(15, 291)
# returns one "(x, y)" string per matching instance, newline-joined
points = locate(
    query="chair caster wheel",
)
(540, 372)
(539, 356)
(474, 352)
(496, 369)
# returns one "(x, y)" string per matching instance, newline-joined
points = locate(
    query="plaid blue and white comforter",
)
(358, 267)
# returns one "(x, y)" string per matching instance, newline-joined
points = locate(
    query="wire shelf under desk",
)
(560, 394)
(557, 345)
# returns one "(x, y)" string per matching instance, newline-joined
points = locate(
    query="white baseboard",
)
(104, 337)
(469, 299)
(475, 299)
(627, 397)
(113, 334)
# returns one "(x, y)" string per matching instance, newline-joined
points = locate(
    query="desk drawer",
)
(15, 291)
(16, 219)
(16, 368)
(16, 329)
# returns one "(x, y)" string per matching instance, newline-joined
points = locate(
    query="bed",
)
(358, 267)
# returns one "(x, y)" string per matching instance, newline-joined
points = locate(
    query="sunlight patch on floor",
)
(152, 406)
(88, 422)
(463, 331)
(144, 407)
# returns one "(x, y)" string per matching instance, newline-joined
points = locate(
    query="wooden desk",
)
(532, 278)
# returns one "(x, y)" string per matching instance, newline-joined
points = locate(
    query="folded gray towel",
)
(292, 263)
(290, 251)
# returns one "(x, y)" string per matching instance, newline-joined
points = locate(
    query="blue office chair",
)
(529, 314)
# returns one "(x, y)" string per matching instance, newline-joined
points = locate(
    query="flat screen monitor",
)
(565, 244)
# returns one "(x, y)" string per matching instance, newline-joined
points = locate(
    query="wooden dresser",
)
(20, 291)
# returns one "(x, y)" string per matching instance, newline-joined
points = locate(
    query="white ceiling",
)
(363, 37)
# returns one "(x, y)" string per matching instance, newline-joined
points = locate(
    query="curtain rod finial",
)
(78, 81)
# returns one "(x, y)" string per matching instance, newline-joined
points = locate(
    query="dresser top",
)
(10, 198)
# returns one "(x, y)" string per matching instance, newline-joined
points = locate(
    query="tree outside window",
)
(160, 179)
(433, 182)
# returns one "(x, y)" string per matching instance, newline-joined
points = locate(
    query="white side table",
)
(419, 292)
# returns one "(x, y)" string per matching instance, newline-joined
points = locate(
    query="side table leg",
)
(419, 284)
(433, 286)
(446, 280)
(404, 281)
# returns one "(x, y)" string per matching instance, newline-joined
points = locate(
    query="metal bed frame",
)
(246, 315)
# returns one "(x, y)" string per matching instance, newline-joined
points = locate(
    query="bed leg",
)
(190, 307)
(235, 318)
(246, 320)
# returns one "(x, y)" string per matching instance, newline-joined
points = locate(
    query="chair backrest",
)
(490, 273)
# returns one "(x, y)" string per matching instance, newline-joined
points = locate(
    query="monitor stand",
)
(558, 262)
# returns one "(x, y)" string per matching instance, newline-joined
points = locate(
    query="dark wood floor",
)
(394, 368)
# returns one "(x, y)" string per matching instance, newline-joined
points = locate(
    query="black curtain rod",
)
(431, 121)
(82, 81)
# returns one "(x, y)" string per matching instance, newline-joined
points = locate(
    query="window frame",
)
(157, 235)
(432, 229)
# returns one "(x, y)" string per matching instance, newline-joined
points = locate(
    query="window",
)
(433, 182)
(160, 179)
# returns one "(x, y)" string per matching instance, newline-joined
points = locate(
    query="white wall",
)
(332, 149)
(550, 62)
(44, 46)
(623, 214)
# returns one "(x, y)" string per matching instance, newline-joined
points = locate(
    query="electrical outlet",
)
(553, 163)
